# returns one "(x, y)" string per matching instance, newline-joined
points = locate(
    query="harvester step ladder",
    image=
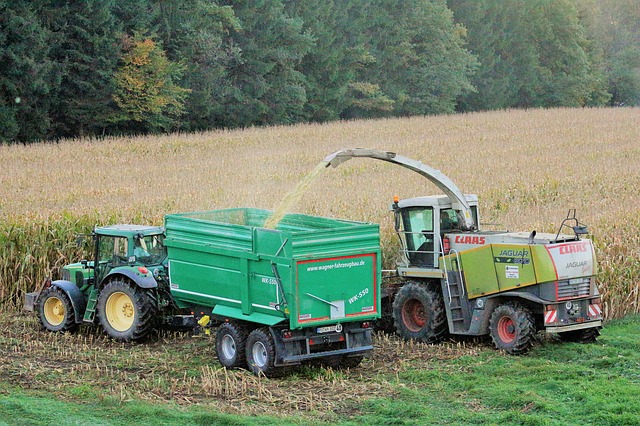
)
(90, 311)
(458, 303)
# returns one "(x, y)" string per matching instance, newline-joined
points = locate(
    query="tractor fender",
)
(78, 300)
(142, 281)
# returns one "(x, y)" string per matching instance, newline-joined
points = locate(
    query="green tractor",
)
(123, 288)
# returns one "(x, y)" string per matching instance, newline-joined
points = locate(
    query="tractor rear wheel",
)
(512, 328)
(261, 353)
(587, 335)
(55, 310)
(418, 314)
(230, 345)
(126, 311)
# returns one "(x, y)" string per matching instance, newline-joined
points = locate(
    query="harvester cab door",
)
(419, 236)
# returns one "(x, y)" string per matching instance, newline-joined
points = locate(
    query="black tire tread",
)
(239, 333)
(585, 336)
(525, 328)
(436, 327)
(69, 322)
(263, 335)
(145, 303)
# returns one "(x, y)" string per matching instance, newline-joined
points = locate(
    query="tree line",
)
(105, 67)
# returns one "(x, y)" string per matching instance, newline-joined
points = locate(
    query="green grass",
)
(556, 384)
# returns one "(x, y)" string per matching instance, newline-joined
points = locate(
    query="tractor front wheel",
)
(418, 314)
(230, 345)
(55, 310)
(126, 311)
(512, 328)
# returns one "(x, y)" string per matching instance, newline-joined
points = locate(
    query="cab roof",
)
(441, 201)
(123, 230)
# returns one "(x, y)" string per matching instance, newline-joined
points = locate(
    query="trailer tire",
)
(512, 328)
(587, 335)
(55, 310)
(418, 313)
(230, 345)
(126, 311)
(260, 351)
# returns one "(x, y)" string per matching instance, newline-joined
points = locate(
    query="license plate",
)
(327, 329)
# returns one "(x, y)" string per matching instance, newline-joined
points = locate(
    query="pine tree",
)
(26, 74)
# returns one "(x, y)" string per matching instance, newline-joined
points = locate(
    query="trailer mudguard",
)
(142, 281)
(78, 300)
(255, 317)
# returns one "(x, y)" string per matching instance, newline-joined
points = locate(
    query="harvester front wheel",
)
(418, 314)
(512, 328)
(230, 345)
(261, 353)
(126, 311)
(587, 335)
(55, 310)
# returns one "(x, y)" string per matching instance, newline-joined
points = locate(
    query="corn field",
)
(527, 167)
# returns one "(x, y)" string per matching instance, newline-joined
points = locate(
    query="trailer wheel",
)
(261, 353)
(55, 310)
(418, 314)
(230, 345)
(126, 311)
(587, 335)
(512, 328)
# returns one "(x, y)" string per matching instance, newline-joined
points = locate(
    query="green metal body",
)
(308, 272)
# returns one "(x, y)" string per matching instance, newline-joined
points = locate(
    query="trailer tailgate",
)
(331, 289)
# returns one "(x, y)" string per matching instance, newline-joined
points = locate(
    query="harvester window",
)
(449, 219)
(419, 235)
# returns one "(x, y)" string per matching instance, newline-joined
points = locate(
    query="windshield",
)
(150, 249)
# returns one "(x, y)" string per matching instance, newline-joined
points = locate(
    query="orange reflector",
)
(143, 270)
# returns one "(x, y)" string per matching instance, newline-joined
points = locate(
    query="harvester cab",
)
(422, 225)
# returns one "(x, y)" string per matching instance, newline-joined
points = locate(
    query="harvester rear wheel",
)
(55, 310)
(587, 335)
(261, 353)
(126, 311)
(230, 345)
(418, 313)
(512, 328)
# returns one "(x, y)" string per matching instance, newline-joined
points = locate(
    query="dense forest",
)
(105, 67)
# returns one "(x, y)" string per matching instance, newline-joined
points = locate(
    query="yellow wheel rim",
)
(54, 311)
(120, 311)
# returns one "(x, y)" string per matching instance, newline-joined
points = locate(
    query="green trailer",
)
(309, 289)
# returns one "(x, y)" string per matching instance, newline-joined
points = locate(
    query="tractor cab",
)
(128, 246)
(421, 224)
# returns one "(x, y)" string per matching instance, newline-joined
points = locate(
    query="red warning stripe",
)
(595, 311)
(550, 317)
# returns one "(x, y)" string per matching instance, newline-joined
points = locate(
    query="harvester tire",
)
(55, 310)
(261, 353)
(512, 328)
(418, 313)
(230, 345)
(126, 311)
(587, 335)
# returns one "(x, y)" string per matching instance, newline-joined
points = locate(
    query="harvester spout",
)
(458, 200)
